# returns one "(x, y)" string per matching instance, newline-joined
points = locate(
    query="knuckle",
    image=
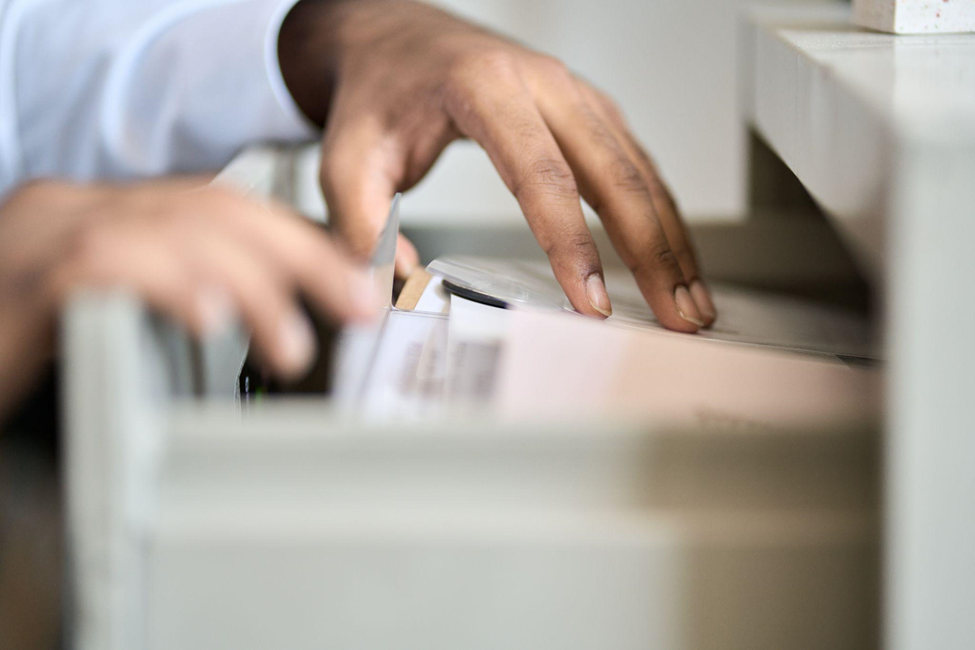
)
(663, 257)
(472, 68)
(546, 176)
(658, 257)
(569, 244)
(495, 62)
(600, 132)
(552, 67)
(626, 177)
(88, 248)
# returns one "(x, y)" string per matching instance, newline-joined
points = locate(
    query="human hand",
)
(199, 255)
(398, 81)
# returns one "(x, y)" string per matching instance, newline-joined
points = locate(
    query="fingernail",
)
(598, 297)
(296, 344)
(702, 298)
(686, 307)
(362, 295)
(215, 309)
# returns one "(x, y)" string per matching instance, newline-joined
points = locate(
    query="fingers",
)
(364, 164)
(361, 168)
(664, 204)
(493, 107)
(549, 140)
(616, 189)
(264, 256)
(124, 256)
(358, 181)
(299, 251)
(204, 257)
(260, 293)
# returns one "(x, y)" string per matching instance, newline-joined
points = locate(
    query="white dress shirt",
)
(120, 89)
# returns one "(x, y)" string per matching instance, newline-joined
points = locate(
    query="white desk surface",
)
(921, 85)
(842, 105)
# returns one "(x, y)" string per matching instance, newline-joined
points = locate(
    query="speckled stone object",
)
(915, 16)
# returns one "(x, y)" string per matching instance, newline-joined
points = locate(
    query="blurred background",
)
(671, 66)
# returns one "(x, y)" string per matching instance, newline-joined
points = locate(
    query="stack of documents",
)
(769, 362)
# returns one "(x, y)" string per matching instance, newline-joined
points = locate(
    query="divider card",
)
(407, 377)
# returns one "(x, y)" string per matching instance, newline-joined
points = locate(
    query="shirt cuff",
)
(272, 65)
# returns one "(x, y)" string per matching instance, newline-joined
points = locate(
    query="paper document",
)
(452, 352)
(407, 377)
(559, 365)
(744, 316)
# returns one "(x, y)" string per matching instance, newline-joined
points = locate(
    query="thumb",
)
(360, 167)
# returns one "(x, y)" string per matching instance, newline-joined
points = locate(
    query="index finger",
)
(501, 117)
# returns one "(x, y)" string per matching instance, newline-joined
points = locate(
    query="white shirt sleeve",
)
(119, 89)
